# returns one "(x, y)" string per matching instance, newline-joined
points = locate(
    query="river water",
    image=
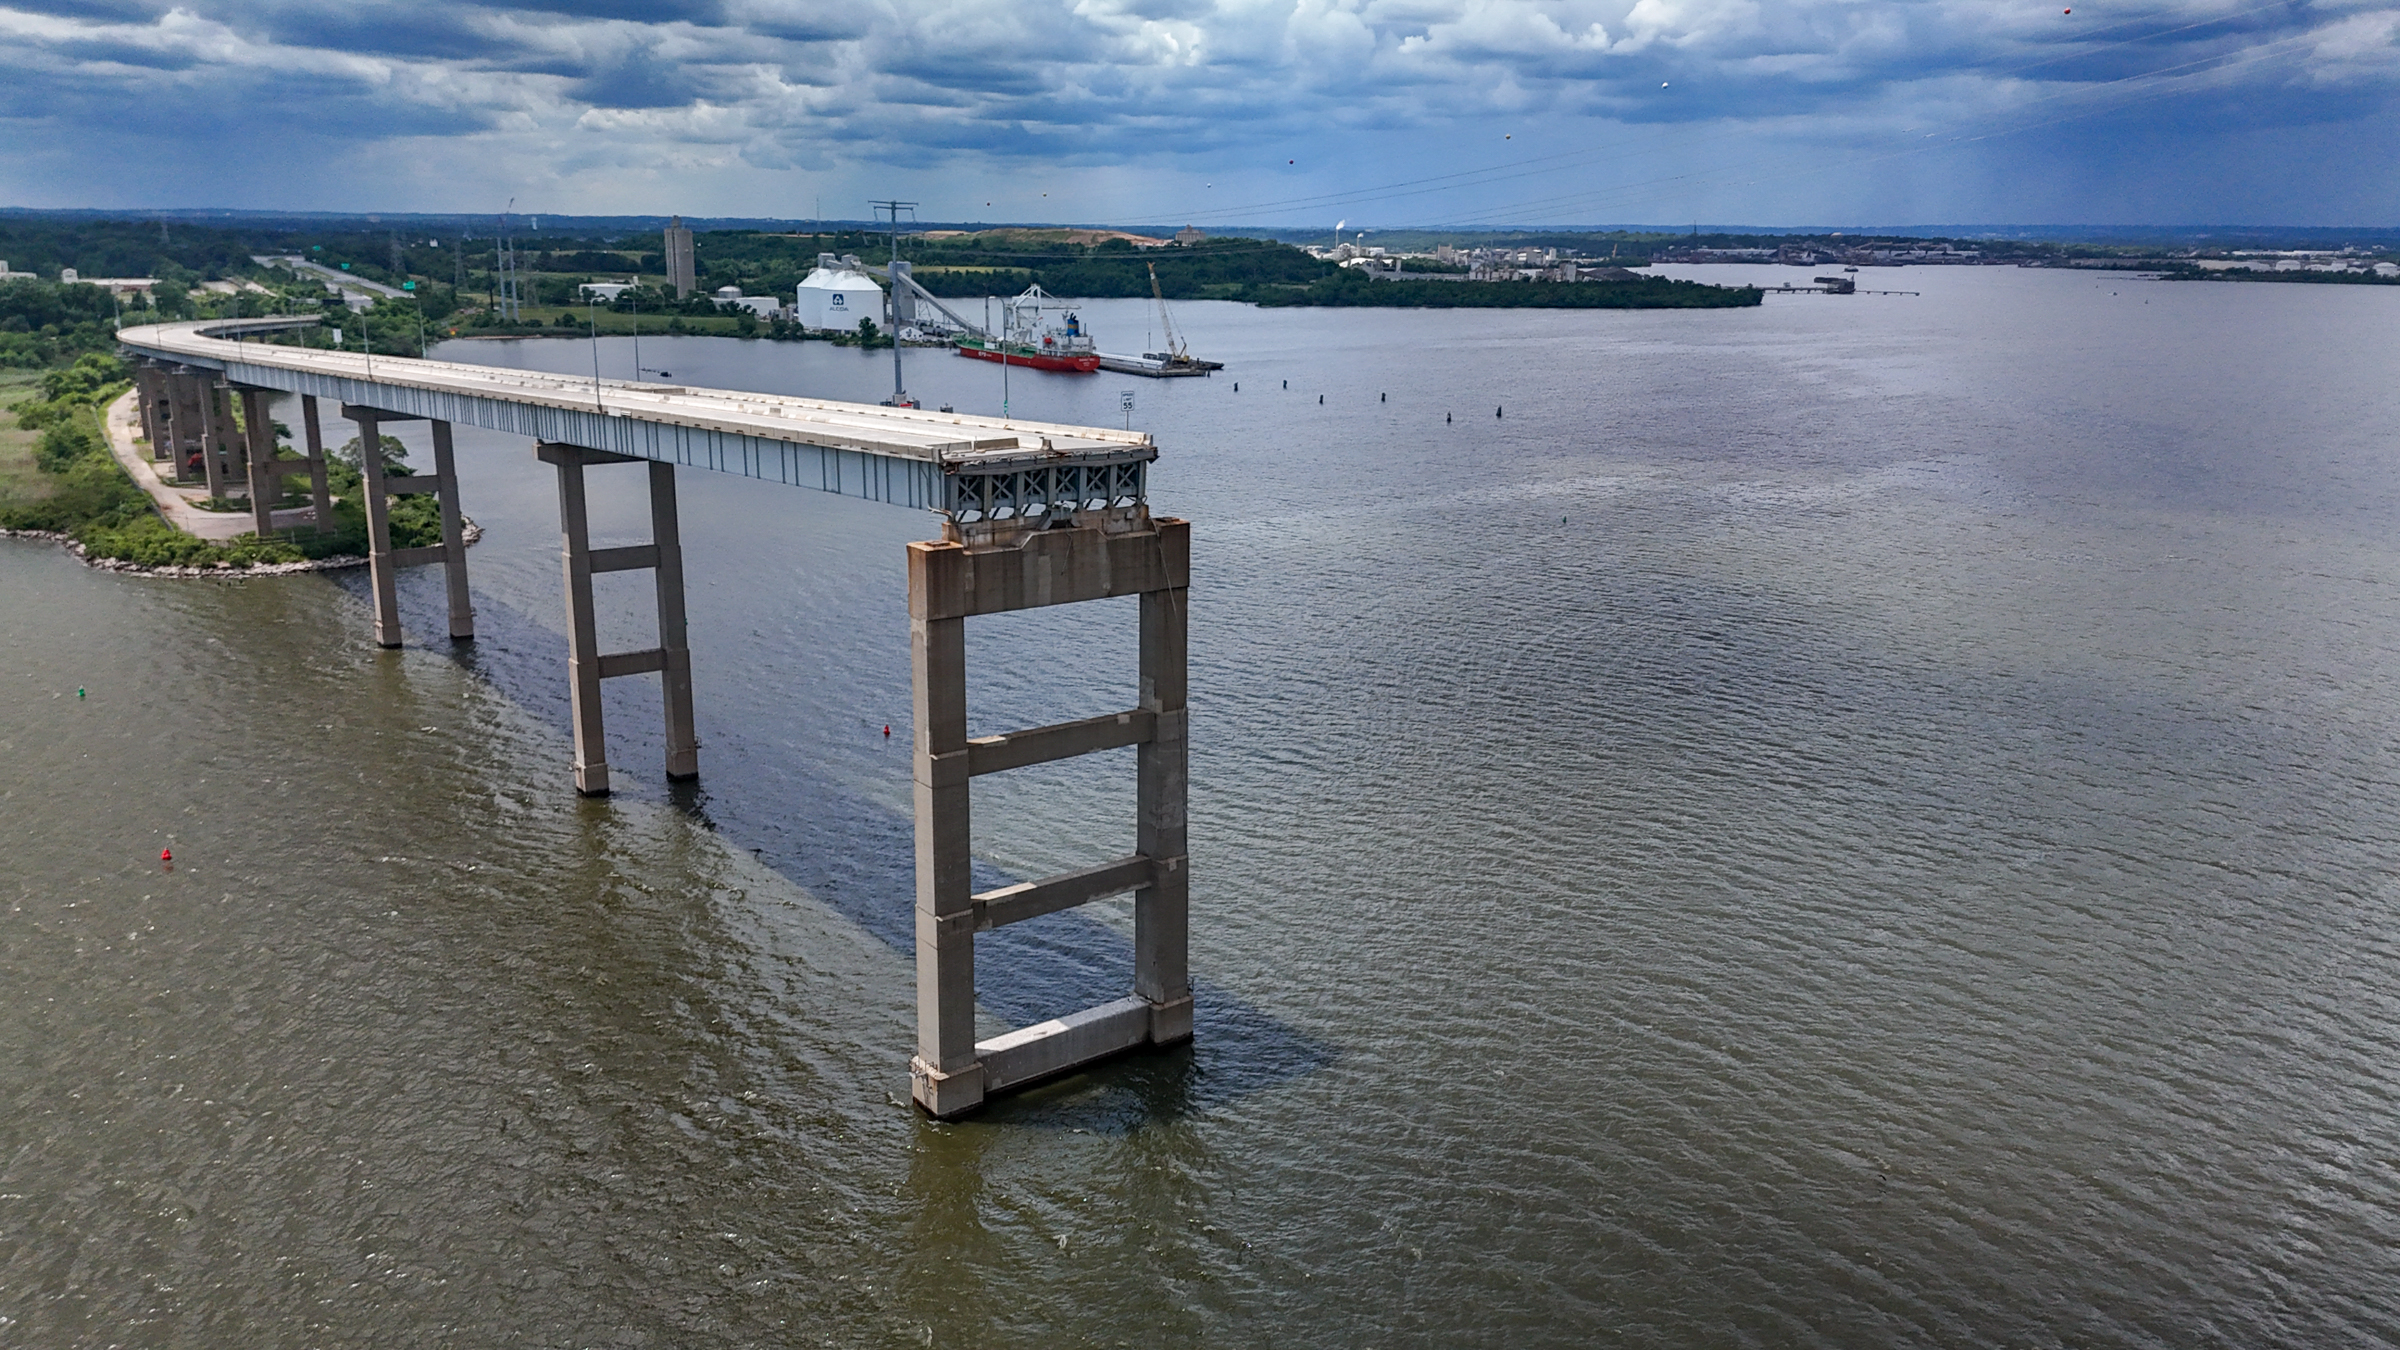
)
(1865, 821)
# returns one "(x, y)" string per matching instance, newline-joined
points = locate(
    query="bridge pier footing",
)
(587, 665)
(990, 569)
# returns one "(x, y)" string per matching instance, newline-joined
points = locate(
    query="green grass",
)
(20, 481)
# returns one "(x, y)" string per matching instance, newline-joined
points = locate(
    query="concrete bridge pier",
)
(150, 388)
(267, 472)
(454, 535)
(382, 578)
(587, 665)
(319, 491)
(990, 568)
(223, 450)
(184, 422)
(384, 561)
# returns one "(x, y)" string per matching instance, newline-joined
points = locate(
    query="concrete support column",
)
(587, 665)
(1161, 922)
(150, 389)
(266, 486)
(184, 423)
(232, 455)
(675, 677)
(583, 625)
(382, 572)
(318, 488)
(213, 428)
(947, 1074)
(454, 543)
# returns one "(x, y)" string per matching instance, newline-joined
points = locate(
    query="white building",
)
(68, 276)
(838, 294)
(606, 292)
(731, 297)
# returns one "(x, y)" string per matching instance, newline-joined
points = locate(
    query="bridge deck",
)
(970, 467)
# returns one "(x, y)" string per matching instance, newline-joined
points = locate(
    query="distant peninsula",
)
(1624, 291)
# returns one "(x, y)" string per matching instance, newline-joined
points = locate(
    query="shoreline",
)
(121, 425)
(71, 544)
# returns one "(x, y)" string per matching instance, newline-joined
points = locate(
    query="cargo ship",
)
(1024, 341)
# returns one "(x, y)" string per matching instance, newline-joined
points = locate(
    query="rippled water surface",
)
(1864, 821)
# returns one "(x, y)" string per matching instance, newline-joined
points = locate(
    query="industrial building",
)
(682, 271)
(838, 293)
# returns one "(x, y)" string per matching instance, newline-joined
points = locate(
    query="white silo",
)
(838, 294)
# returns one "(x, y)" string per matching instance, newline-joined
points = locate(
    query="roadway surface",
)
(332, 276)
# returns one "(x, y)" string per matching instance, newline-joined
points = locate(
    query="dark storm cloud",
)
(233, 115)
(98, 11)
(706, 13)
(673, 83)
(639, 79)
(437, 32)
(111, 51)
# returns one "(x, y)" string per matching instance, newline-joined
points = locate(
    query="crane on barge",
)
(1175, 360)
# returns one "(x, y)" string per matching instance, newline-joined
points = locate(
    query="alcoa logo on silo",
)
(840, 301)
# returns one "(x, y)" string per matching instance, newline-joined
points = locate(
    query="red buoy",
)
(166, 855)
(887, 728)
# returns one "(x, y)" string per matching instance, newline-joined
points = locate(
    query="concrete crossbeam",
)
(1064, 567)
(631, 558)
(643, 662)
(1048, 1049)
(1032, 899)
(1018, 749)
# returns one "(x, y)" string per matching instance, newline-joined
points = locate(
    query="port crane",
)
(1174, 352)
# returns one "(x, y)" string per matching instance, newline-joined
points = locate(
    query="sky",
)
(1460, 113)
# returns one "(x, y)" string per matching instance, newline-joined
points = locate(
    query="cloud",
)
(576, 95)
